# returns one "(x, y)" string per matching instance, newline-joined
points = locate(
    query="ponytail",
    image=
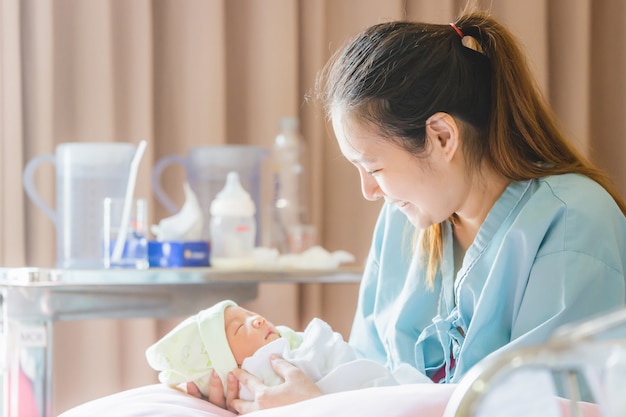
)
(524, 139)
(396, 75)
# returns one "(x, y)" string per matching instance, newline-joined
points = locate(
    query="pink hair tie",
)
(457, 30)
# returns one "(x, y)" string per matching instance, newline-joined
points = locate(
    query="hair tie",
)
(457, 30)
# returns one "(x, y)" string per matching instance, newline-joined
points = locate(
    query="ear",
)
(443, 132)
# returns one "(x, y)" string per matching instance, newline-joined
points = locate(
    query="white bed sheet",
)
(161, 401)
(418, 400)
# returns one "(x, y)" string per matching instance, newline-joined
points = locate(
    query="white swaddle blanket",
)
(328, 360)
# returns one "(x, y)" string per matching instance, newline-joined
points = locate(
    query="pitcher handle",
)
(29, 184)
(156, 180)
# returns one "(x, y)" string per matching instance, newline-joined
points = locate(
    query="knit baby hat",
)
(194, 348)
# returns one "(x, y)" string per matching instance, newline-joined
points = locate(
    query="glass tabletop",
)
(30, 276)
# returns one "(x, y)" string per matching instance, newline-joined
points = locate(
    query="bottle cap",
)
(233, 200)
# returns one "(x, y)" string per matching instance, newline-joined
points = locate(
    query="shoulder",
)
(576, 190)
(571, 212)
(577, 198)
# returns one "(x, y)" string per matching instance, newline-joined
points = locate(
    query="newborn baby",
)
(226, 336)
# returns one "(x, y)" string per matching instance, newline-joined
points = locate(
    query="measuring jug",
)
(86, 173)
(206, 168)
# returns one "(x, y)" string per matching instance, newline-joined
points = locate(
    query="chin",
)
(415, 219)
(419, 222)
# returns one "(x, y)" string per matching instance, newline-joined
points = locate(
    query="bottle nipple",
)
(233, 199)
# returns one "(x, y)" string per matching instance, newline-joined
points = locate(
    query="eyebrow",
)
(363, 159)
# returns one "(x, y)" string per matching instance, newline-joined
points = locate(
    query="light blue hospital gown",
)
(550, 251)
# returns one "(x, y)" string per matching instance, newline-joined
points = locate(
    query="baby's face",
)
(246, 332)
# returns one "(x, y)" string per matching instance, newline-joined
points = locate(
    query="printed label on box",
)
(33, 336)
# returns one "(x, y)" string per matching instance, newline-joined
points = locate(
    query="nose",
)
(369, 186)
(257, 321)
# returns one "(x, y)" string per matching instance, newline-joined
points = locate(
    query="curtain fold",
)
(607, 88)
(190, 73)
(12, 237)
(569, 41)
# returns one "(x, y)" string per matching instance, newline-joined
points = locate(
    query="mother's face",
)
(426, 188)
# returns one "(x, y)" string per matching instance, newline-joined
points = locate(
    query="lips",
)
(269, 333)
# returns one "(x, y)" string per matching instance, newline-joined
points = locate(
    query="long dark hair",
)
(396, 75)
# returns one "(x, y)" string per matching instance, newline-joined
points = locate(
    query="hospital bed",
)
(548, 380)
(584, 361)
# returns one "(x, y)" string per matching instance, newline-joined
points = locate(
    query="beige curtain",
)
(182, 73)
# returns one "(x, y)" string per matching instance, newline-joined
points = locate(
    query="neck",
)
(485, 189)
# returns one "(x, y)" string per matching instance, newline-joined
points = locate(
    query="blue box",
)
(175, 254)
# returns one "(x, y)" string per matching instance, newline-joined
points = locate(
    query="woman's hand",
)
(216, 391)
(297, 387)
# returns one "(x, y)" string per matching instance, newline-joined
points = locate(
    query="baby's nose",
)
(257, 321)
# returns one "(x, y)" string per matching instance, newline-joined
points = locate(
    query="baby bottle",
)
(233, 226)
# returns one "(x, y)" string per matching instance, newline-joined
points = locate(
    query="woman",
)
(515, 232)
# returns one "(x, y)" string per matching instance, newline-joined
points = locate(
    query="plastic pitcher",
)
(86, 173)
(206, 169)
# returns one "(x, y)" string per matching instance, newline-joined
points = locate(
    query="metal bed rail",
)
(592, 352)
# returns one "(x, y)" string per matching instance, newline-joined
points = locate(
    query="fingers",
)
(250, 381)
(243, 407)
(216, 391)
(283, 368)
(232, 391)
(193, 390)
(297, 387)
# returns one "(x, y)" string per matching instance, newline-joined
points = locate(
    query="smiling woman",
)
(458, 140)
(422, 186)
(464, 146)
(195, 73)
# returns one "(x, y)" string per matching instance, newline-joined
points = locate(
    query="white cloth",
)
(326, 358)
